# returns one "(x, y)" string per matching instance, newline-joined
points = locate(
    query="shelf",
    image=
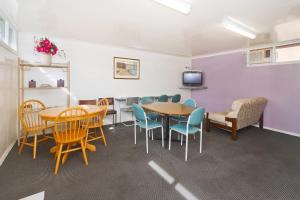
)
(194, 87)
(43, 88)
(53, 65)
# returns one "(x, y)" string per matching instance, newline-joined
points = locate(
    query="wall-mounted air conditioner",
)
(260, 56)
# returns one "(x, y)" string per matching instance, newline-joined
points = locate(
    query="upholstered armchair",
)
(243, 113)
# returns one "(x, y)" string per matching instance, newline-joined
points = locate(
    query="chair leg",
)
(146, 140)
(186, 146)
(58, 158)
(178, 136)
(135, 132)
(170, 135)
(207, 125)
(152, 134)
(162, 137)
(194, 136)
(181, 141)
(65, 157)
(83, 152)
(34, 145)
(23, 143)
(102, 134)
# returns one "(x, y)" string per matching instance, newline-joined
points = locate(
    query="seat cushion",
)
(151, 124)
(181, 127)
(66, 138)
(126, 109)
(219, 117)
(179, 118)
(152, 115)
(111, 112)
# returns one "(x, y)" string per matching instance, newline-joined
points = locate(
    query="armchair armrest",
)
(230, 119)
(233, 122)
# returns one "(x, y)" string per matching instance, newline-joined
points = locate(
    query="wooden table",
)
(166, 109)
(50, 114)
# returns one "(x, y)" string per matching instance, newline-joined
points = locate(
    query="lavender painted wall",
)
(228, 78)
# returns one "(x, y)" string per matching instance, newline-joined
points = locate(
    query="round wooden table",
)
(50, 114)
(166, 109)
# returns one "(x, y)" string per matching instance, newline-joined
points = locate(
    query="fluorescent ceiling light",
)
(238, 27)
(182, 6)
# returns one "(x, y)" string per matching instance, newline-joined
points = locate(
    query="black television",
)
(192, 78)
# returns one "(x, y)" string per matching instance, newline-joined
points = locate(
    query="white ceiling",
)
(144, 24)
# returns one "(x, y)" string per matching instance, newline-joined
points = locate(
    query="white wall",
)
(8, 101)
(92, 71)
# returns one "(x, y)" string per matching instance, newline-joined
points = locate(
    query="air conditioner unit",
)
(260, 56)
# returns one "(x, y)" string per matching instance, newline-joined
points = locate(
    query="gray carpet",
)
(261, 165)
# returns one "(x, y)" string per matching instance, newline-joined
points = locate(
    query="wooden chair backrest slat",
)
(29, 115)
(71, 124)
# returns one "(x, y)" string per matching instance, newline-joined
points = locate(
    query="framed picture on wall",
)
(126, 68)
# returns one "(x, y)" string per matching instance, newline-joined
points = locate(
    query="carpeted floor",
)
(261, 165)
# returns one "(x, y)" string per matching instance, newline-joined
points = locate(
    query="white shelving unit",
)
(24, 66)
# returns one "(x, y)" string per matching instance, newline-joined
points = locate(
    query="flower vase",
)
(46, 59)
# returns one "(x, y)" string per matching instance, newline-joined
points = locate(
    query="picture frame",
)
(126, 68)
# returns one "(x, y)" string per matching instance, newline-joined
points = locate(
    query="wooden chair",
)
(87, 102)
(98, 121)
(32, 123)
(71, 128)
(112, 111)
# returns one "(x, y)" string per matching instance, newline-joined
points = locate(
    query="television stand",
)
(193, 87)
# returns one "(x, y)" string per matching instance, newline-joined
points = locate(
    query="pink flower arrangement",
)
(44, 45)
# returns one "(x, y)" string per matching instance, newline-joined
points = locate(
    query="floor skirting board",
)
(6, 152)
(280, 131)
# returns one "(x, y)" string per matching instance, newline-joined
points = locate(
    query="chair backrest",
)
(163, 98)
(29, 114)
(88, 102)
(146, 100)
(139, 112)
(176, 98)
(71, 124)
(190, 103)
(196, 116)
(103, 103)
(132, 100)
(111, 100)
(247, 111)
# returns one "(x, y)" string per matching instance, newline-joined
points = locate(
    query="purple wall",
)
(228, 78)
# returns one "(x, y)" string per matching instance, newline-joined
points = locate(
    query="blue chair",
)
(176, 98)
(146, 100)
(189, 102)
(191, 127)
(163, 98)
(143, 122)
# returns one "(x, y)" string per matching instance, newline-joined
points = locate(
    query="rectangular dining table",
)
(167, 109)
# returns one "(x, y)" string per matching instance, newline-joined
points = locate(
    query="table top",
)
(169, 108)
(50, 114)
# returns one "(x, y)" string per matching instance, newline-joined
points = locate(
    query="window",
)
(2, 29)
(12, 40)
(8, 34)
(287, 52)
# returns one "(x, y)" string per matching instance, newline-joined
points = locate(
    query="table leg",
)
(167, 130)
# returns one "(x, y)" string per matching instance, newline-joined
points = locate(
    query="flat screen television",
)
(192, 78)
